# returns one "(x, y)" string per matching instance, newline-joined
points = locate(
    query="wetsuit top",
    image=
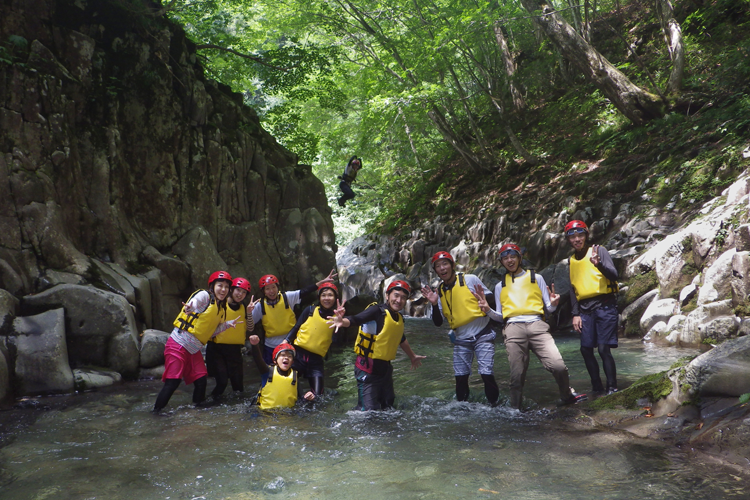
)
(195, 329)
(383, 341)
(238, 333)
(279, 390)
(276, 317)
(518, 288)
(312, 331)
(594, 286)
(454, 298)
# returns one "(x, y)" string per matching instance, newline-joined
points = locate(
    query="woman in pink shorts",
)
(202, 317)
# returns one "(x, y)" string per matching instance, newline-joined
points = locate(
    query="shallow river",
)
(107, 445)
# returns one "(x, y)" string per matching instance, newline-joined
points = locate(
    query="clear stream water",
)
(107, 445)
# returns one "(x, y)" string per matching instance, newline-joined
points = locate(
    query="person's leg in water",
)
(199, 389)
(610, 370)
(221, 374)
(462, 387)
(485, 352)
(316, 384)
(462, 359)
(170, 385)
(606, 335)
(588, 342)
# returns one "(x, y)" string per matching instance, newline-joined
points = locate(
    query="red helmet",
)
(508, 248)
(242, 283)
(329, 286)
(399, 285)
(576, 226)
(442, 255)
(268, 279)
(219, 275)
(284, 346)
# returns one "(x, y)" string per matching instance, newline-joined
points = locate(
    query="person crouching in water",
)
(312, 338)
(380, 335)
(473, 333)
(593, 277)
(521, 298)
(280, 389)
(224, 351)
(202, 316)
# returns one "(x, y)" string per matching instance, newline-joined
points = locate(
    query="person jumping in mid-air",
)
(349, 176)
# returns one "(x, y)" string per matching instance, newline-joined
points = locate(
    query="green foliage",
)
(744, 398)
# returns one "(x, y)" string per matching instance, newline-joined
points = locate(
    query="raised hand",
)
(330, 278)
(430, 295)
(595, 259)
(554, 298)
(187, 307)
(340, 310)
(337, 322)
(252, 303)
(478, 293)
(234, 322)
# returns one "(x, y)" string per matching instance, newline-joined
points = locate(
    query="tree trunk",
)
(637, 104)
(673, 37)
(510, 69)
(447, 132)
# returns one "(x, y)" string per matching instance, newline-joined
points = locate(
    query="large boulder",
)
(723, 371)
(740, 278)
(152, 348)
(717, 281)
(630, 317)
(100, 326)
(658, 310)
(41, 355)
(692, 328)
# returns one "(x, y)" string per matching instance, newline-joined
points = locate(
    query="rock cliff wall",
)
(123, 167)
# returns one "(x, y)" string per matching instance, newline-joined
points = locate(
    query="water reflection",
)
(108, 445)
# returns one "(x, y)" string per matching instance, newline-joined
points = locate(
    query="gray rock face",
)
(41, 355)
(173, 153)
(723, 371)
(152, 348)
(100, 325)
(658, 310)
(717, 281)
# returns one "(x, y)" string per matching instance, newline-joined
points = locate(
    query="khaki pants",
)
(520, 338)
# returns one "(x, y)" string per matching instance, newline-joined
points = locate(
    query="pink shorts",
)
(178, 363)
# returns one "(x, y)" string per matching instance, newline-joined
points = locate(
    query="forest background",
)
(454, 104)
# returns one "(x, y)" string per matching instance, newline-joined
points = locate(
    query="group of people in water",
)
(223, 320)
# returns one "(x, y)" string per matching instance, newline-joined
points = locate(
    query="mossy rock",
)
(639, 285)
(650, 387)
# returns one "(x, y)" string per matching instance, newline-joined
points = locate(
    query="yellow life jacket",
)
(238, 333)
(587, 280)
(201, 325)
(277, 320)
(460, 307)
(279, 391)
(385, 344)
(521, 296)
(314, 334)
